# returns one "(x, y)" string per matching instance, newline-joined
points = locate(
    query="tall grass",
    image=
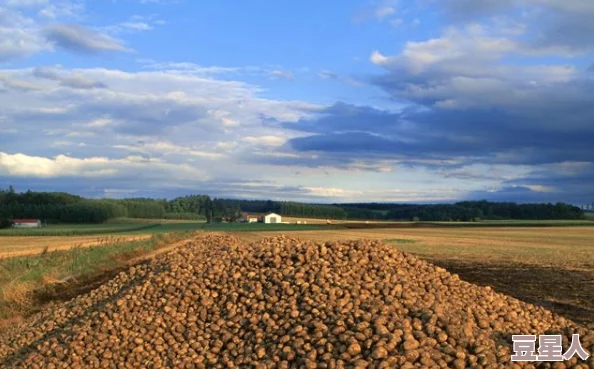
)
(21, 277)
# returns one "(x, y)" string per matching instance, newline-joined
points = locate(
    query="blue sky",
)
(387, 100)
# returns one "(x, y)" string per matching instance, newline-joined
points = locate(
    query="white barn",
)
(272, 218)
(26, 223)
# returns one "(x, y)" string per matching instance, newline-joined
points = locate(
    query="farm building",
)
(26, 223)
(272, 218)
(249, 218)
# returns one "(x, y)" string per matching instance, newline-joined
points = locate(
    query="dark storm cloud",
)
(523, 194)
(565, 182)
(489, 135)
(571, 32)
(549, 26)
(345, 117)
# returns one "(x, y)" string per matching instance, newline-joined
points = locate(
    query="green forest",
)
(59, 207)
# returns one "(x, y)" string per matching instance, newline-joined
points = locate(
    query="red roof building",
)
(26, 220)
(26, 223)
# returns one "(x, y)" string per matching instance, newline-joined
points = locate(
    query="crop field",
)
(553, 267)
(77, 229)
(552, 264)
(29, 245)
(18, 242)
(484, 223)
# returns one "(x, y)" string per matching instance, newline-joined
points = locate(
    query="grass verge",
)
(122, 228)
(260, 227)
(400, 241)
(26, 281)
(79, 230)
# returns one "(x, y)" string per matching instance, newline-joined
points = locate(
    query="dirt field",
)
(30, 245)
(553, 267)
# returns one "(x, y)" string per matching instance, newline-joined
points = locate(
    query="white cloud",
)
(270, 72)
(328, 75)
(397, 22)
(332, 192)
(168, 148)
(465, 68)
(100, 122)
(281, 74)
(454, 47)
(136, 167)
(19, 84)
(81, 39)
(73, 80)
(376, 10)
(175, 120)
(19, 36)
(25, 3)
(384, 11)
(187, 68)
(268, 140)
(22, 22)
(135, 24)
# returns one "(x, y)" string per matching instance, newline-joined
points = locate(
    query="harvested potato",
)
(284, 303)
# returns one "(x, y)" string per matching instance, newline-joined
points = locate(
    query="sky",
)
(319, 101)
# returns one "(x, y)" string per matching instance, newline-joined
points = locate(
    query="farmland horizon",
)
(585, 205)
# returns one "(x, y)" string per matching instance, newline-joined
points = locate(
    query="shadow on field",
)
(566, 292)
(72, 288)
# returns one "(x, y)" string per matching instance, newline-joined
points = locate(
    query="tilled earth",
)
(285, 303)
(567, 292)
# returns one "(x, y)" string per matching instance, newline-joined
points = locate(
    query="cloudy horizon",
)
(386, 101)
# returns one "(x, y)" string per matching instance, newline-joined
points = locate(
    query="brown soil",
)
(566, 292)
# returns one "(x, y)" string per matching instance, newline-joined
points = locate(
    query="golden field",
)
(568, 247)
(30, 245)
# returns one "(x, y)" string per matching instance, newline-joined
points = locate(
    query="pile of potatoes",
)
(285, 303)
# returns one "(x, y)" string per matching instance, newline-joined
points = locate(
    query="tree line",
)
(59, 207)
(55, 207)
(466, 211)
